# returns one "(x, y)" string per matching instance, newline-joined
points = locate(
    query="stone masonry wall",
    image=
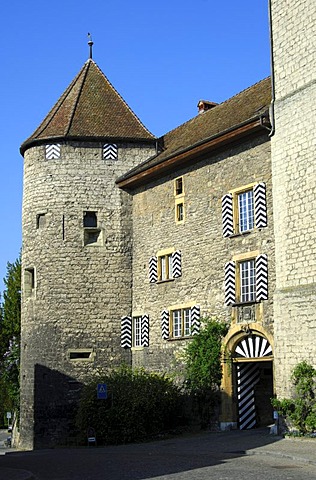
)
(294, 185)
(80, 291)
(200, 239)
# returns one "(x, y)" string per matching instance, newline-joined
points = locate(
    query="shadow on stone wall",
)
(56, 398)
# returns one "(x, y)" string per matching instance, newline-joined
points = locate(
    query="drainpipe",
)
(271, 109)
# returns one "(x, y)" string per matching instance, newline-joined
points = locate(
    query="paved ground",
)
(252, 454)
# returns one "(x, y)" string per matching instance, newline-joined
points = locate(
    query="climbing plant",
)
(203, 369)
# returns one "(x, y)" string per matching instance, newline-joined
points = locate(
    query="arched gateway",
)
(254, 381)
(247, 384)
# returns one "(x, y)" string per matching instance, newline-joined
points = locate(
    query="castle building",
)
(130, 240)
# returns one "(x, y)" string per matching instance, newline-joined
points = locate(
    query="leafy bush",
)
(203, 357)
(301, 409)
(139, 405)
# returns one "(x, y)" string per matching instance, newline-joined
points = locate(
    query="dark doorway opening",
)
(254, 390)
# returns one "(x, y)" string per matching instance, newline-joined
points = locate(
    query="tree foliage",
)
(301, 409)
(202, 357)
(203, 369)
(10, 325)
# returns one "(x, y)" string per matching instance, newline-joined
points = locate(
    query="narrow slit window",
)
(40, 220)
(81, 354)
(29, 281)
(180, 212)
(178, 186)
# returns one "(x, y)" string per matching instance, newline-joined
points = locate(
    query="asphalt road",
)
(219, 456)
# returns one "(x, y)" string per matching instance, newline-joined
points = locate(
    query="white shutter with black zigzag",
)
(227, 215)
(126, 332)
(259, 194)
(110, 151)
(165, 324)
(230, 283)
(145, 331)
(153, 272)
(176, 264)
(261, 277)
(195, 319)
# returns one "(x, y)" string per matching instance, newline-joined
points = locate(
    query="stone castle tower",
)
(294, 185)
(76, 248)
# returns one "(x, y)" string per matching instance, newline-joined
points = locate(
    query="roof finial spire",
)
(90, 43)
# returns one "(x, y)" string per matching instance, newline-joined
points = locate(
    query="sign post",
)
(102, 393)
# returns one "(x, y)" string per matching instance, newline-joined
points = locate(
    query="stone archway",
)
(247, 382)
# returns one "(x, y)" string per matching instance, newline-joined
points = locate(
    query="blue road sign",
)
(102, 391)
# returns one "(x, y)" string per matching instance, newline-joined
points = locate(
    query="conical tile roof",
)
(90, 108)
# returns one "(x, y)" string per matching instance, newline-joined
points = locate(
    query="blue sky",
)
(162, 57)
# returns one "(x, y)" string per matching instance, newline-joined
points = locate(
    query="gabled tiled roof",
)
(90, 108)
(242, 109)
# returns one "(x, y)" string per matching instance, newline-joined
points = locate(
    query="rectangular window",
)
(179, 199)
(247, 277)
(90, 219)
(178, 186)
(137, 331)
(245, 211)
(29, 281)
(181, 322)
(92, 235)
(179, 212)
(81, 354)
(40, 220)
(164, 267)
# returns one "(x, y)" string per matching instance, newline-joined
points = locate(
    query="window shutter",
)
(176, 264)
(153, 272)
(110, 151)
(195, 319)
(230, 283)
(227, 215)
(52, 151)
(261, 277)
(145, 331)
(165, 324)
(126, 332)
(259, 193)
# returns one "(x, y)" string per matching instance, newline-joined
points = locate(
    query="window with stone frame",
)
(180, 321)
(246, 279)
(179, 199)
(244, 209)
(81, 354)
(178, 186)
(165, 266)
(135, 331)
